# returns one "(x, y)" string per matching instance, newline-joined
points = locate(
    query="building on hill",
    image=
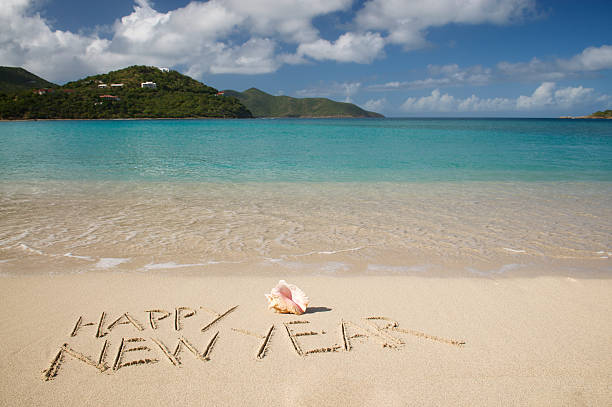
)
(116, 85)
(102, 86)
(166, 70)
(149, 84)
(220, 94)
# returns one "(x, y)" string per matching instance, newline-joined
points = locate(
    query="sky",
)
(402, 58)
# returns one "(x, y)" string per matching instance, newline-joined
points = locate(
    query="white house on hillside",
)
(164, 69)
(150, 85)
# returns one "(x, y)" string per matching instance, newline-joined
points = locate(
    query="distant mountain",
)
(133, 92)
(18, 79)
(262, 104)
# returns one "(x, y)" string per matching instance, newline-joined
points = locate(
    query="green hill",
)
(602, 114)
(18, 79)
(262, 104)
(174, 96)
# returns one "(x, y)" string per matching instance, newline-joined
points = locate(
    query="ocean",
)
(435, 197)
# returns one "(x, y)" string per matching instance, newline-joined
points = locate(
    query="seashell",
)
(287, 299)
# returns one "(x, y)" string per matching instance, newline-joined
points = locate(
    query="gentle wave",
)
(329, 227)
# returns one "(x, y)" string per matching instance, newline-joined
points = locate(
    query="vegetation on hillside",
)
(175, 96)
(262, 104)
(602, 113)
(18, 79)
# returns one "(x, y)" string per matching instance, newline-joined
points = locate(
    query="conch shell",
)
(287, 299)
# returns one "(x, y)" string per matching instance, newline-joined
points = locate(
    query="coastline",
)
(423, 229)
(131, 118)
(527, 341)
(585, 117)
(194, 118)
(124, 254)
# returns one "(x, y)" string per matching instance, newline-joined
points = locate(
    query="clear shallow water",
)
(369, 150)
(426, 197)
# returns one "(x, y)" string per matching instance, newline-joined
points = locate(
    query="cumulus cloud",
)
(589, 60)
(292, 19)
(405, 22)
(545, 97)
(233, 36)
(375, 105)
(349, 47)
(203, 36)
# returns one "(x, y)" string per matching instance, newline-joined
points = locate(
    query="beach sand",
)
(542, 340)
(422, 294)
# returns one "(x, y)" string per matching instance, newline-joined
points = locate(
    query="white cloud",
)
(232, 36)
(253, 57)
(568, 97)
(406, 21)
(292, 19)
(350, 89)
(203, 36)
(589, 60)
(436, 102)
(534, 70)
(476, 104)
(375, 105)
(444, 75)
(349, 47)
(545, 97)
(259, 36)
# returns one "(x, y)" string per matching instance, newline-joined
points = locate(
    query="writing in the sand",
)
(145, 347)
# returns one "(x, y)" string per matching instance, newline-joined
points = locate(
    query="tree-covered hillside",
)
(602, 114)
(174, 96)
(262, 104)
(18, 79)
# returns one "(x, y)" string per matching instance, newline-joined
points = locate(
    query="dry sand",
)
(543, 340)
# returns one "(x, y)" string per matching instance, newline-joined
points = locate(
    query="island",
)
(602, 114)
(133, 92)
(139, 92)
(262, 104)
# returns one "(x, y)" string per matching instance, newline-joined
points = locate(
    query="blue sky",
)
(522, 58)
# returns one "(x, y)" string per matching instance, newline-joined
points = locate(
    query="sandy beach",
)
(433, 179)
(110, 338)
(130, 277)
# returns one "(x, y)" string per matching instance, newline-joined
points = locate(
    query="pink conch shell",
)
(287, 299)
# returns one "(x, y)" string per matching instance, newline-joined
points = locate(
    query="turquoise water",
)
(325, 150)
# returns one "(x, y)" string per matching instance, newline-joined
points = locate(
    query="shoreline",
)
(511, 330)
(585, 117)
(314, 117)
(193, 118)
(429, 230)
(448, 292)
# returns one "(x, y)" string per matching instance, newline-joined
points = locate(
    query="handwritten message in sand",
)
(145, 347)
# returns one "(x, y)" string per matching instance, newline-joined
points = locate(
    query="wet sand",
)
(422, 294)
